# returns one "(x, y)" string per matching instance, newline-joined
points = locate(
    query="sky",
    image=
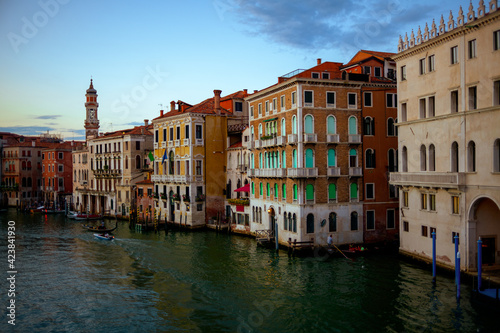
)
(143, 54)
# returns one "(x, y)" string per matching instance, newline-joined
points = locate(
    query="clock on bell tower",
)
(91, 120)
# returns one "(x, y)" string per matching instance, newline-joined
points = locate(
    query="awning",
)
(275, 118)
(245, 188)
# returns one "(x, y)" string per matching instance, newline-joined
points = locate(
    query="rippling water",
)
(68, 281)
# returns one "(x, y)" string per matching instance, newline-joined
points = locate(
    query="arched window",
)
(354, 191)
(308, 124)
(309, 158)
(369, 126)
(283, 158)
(294, 125)
(260, 189)
(432, 158)
(23, 182)
(283, 127)
(23, 164)
(285, 221)
(454, 157)
(294, 158)
(295, 192)
(390, 127)
(423, 158)
(353, 127)
(30, 183)
(260, 161)
(354, 221)
(310, 223)
(332, 193)
(268, 190)
(228, 189)
(310, 192)
(276, 192)
(331, 157)
(252, 165)
(260, 131)
(266, 163)
(332, 222)
(353, 158)
(496, 156)
(252, 134)
(404, 159)
(294, 220)
(283, 191)
(393, 160)
(331, 125)
(370, 158)
(253, 188)
(471, 157)
(137, 162)
(171, 163)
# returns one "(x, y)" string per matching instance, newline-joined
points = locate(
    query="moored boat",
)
(105, 236)
(101, 228)
(83, 216)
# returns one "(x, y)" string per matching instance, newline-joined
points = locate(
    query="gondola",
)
(100, 229)
(104, 236)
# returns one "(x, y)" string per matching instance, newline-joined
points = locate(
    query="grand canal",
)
(68, 281)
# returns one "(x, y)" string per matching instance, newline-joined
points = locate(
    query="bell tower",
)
(91, 120)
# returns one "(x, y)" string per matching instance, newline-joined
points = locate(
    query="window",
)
(156, 136)
(471, 157)
(354, 191)
(432, 105)
(186, 131)
(332, 193)
(171, 134)
(393, 160)
(390, 127)
(332, 222)
(431, 63)
(496, 156)
(354, 221)
(370, 220)
(391, 219)
(403, 73)
(275, 104)
(353, 158)
(294, 98)
(137, 145)
(369, 126)
(310, 193)
(238, 106)
(283, 191)
(351, 101)
(377, 71)
(405, 199)
(423, 161)
(251, 111)
(422, 66)
(432, 158)
(310, 223)
(367, 70)
(353, 126)
(454, 101)
(368, 99)
(178, 133)
(282, 102)
(325, 76)
(454, 55)
(259, 107)
(496, 93)
(454, 157)
(199, 132)
(423, 201)
(472, 49)
(267, 107)
(60, 155)
(331, 158)
(370, 158)
(403, 112)
(370, 191)
(393, 191)
(406, 226)
(308, 124)
(295, 191)
(315, 75)
(496, 40)
(330, 99)
(472, 98)
(425, 231)
(260, 189)
(422, 108)
(331, 125)
(455, 202)
(308, 98)
(60, 168)
(391, 100)
(432, 202)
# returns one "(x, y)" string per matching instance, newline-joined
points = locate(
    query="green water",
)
(69, 281)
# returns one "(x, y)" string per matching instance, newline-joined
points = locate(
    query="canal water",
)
(69, 281)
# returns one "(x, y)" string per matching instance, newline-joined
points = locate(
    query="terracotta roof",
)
(365, 54)
(137, 130)
(144, 182)
(205, 107)
(237, 128)
(236, 145)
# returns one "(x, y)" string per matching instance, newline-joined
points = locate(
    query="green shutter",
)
(295, 192)
(352, 126)
(284, 191)
(354, 191)
(309, 158)
(331, 157)
(310, 192)
(331, 125)
(308, 127)
(332, 192)
(253, 188)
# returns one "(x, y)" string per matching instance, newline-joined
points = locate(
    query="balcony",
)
(252, 172)
(354, 138)
(333, 172)
(186, 142)
(156, 145)
(292, 139)
(428, 179)
(281, 140)
(164, 144)
(251, 145)
(332, 138)
(302, 172)
(198, 142)
(242, 167)
(177, 143)
(258, 144)
(310, 138)
(355, 171)
(269, 142)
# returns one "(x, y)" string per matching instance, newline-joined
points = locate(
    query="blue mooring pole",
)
(457, 261)
(479, 263)
(457, 277)
(276, 231)
(434, 256)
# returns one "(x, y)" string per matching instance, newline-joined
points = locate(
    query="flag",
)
(151, 157)
(164, 156)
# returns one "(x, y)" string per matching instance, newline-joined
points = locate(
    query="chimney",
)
(217, 101)
(161, 113)
(319, 61)
(172, 106)
(146, 122)
(255, 91)
(245, 91)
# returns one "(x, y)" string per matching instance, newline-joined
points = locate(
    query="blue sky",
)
(142, 55)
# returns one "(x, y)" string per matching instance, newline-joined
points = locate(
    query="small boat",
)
(105, 236)
(83, 216)
(72, 215)
(101, 228)
(38, 209)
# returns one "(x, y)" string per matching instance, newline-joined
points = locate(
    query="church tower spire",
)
(91, 120)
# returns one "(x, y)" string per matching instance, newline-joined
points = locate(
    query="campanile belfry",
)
(91, 119)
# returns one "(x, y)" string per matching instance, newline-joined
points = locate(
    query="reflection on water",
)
(207, 282)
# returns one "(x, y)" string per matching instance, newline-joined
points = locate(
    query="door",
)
(488, 251)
